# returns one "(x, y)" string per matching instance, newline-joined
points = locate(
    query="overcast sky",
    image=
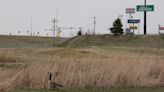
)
(15, 15)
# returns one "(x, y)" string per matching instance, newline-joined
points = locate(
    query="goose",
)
(51, 84)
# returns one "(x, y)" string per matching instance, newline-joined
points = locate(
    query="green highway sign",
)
(141, 8)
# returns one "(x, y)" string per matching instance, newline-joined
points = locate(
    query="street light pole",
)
(145, 19)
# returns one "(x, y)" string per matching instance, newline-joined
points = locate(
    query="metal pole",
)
(138, 28)
(145, 19)
(130, 16)
(133, 29)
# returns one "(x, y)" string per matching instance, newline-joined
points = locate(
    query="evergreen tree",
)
(117, 27)
(79, 33)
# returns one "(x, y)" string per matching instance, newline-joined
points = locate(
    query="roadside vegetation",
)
(119, 65)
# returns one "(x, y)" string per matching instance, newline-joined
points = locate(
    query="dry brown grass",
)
(81, 68)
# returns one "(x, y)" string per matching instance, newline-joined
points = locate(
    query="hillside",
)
(28, 41)
(82, 41)
(109, 40)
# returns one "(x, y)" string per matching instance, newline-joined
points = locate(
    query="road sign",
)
(133, 27)
(141, 8)
(134, 21)
(130, 10)
(127, 30)
(161, 28)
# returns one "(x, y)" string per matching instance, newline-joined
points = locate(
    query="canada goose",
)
(51, 84)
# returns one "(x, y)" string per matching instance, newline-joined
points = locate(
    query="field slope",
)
(109, 40)
(28, 41)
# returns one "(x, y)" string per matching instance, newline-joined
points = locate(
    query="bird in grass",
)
(52, 85)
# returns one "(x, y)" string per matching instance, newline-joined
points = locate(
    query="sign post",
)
(160, 29)
(130, 11)
(145, 19)
(133, 21)
(145, 8)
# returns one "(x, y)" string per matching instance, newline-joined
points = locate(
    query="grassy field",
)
(28, 41)
(81, 68)
(90, 67)
(97, 90)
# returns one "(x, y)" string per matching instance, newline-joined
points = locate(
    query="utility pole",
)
(94, 18)
(31, 24)
(57, 20)
(54, 21)
(53, 29)
(145, 19)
